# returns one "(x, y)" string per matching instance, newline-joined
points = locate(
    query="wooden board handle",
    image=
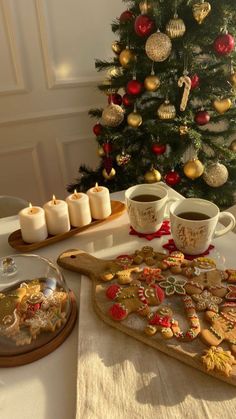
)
(81, 262)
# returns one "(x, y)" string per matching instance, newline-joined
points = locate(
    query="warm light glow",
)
(63, 71)
(75, 191)
(97, 188)
(54, 200)
(76, 195)
(30, 207)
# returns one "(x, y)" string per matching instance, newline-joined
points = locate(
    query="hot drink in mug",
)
(193, 224)
(146, 206)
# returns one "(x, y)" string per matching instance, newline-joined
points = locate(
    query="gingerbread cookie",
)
(223, 327)
(193, 320)
(210, 280)
(145, 255)
(134, 298)
(216, 359)
(231, 294)
(231, 275)
(150, 275)
(160, 321)
(207, 301)
(173, 286)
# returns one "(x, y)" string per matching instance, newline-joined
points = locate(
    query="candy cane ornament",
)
(186, 81)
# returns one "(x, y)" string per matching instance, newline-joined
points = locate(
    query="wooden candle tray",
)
(15, 239)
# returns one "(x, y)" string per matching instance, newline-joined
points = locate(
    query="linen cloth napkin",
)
(122, 378)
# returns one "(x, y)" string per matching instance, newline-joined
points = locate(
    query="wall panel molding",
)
(19, 86)
(33, 151)
(52, 81)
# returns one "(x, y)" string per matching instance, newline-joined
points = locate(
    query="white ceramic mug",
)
(147, 216)
(193, 237)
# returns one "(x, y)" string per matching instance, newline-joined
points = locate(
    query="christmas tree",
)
(171, 110)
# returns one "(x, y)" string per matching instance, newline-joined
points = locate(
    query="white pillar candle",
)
(79, 209)
(33, 224)
(99, 200)
(57, 216)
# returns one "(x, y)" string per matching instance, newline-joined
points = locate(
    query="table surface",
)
(49, 388)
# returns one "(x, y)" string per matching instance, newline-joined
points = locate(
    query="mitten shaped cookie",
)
(135, 298)
(223, 327)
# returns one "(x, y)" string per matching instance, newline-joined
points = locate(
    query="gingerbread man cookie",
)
(210, 280)
(223, 327)
(160, 321)
(134, 298)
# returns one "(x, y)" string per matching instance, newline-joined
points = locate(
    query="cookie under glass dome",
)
(35, 304)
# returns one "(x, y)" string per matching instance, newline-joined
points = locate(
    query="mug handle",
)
(167, 210)
(230, 227)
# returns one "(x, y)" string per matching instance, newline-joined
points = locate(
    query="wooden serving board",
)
(32, 353)
(188, 352)
(15, 239)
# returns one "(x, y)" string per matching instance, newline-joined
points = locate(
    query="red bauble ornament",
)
(127, 100)
(134, 87)
(115, 98)
(126, 16)
(144, 25)
(158, 148)
(202, 118)
(107, 147)
(97, 129)
(172, 178)
(224, 44)
(195, 81)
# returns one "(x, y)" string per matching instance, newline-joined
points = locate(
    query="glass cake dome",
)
(35, 305)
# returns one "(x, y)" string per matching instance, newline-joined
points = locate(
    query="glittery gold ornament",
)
(223, 105)
(193, 169)
(126, 57)
(175, 28)
(216, 175)
(117, 47)
(107, 175)
(158, 47)
(134, 119)
(100, 152)
(151, 83)
(233, 79)
(166, 110)
(232, 146)
(145, 7)
(112, 115)
(183, 129)
(152, 176)
(201, 11)
(122, 159)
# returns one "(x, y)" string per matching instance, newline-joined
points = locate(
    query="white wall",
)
(47, 85)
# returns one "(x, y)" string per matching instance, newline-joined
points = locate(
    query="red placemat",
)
(163, 231)
(171, 247)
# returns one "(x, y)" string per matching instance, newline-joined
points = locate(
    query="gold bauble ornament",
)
(216, 175)
(158, 47)
(233, 79)
(126, 57)
(117, 47)
(122, 159)
(145, 7)
(222, 105)
(110, 175)
(232, 146)
(183, 129)
(100, 152)
(152, 176)
(134, 119)
(166, 110)
(175, 28)
(151, 83)
(201, 11)
(193, 169)
(112, 115)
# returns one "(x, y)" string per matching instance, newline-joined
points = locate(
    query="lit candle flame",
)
(75, 191)
(30, 207)
(54, 200)
(97, 188)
